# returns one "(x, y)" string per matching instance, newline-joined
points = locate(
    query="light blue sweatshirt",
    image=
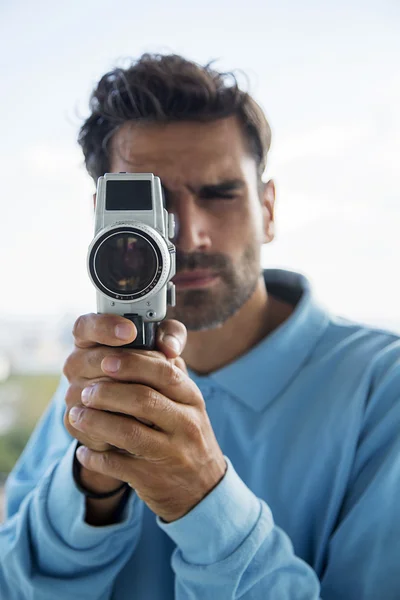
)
(309, 423)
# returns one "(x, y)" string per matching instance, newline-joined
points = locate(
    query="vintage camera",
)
(131, 259)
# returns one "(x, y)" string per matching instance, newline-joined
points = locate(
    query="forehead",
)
(182, 152)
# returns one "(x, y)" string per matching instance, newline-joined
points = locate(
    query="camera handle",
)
(146, 333)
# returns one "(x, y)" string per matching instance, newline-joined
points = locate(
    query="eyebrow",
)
(229, 185)
(211, 189)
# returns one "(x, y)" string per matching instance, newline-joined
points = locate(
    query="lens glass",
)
(126, 263)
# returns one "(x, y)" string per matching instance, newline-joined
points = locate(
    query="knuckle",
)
(198, 400)
(155, 354)
(66, 371)
(109, 462)
(70, 366)
(73, 395)
(133, 439)
(193, 429)
(66, 367)
(79, 327)
(170, 374)
(146, 353)
(93, 357)
(130, 438)
(151, 398)
(195, 397)
(77, 363)
(180, 364)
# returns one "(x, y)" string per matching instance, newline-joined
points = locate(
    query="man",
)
(258, 458)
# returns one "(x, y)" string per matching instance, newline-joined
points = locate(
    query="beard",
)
(209, 308)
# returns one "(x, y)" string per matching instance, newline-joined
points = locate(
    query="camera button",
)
(171, 226)
(171, 294)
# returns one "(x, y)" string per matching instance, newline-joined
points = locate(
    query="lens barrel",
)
(125, 263)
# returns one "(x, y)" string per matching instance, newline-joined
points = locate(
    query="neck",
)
(209, 350)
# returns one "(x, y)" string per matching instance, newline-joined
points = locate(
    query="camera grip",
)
(146, 333)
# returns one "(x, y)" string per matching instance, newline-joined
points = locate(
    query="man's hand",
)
(144, 404)
(94, 334)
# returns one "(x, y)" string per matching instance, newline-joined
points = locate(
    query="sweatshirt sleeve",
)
(229, 548)
(46, 547)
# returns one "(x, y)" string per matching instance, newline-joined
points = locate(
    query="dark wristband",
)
(76, 474)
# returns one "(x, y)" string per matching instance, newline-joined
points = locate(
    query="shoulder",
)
(343, 337)
(362, 353)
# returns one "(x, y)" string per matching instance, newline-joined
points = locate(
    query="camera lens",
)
(125, 263)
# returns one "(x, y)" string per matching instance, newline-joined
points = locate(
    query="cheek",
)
(228, 231)
(235, 233)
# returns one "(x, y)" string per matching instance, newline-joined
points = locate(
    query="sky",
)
(327, 75)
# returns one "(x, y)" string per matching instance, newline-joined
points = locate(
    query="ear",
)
(268, 206)
(94, 200)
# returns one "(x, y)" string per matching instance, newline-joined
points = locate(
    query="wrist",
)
(106, 511)
(96, 482)
(105, 497)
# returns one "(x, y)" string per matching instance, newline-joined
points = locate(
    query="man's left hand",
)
(171, 464)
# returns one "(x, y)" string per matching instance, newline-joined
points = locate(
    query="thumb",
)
(171, 338)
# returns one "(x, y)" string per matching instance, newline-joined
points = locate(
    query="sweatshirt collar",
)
(264, 372)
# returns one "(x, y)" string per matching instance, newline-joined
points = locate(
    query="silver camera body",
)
(131, 259)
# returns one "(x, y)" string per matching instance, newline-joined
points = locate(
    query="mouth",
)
(194, 279)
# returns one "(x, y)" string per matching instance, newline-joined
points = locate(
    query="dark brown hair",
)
(167, 88)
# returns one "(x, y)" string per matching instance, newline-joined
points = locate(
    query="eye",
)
(219, 196)
(226, 196)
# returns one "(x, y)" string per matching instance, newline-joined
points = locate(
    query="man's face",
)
(211, 185)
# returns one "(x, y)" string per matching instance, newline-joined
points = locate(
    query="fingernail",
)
(124, 331)
(86, 393)
(172, 342)
(81, 453)
(111, 364)
(74, 414)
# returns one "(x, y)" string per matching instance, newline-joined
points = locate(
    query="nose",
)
(193, 226)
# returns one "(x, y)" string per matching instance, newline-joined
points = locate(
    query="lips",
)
(194, 278)
(192, 275)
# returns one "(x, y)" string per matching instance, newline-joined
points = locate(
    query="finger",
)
(135, 400)
(108, 330)
(73, 398)
(180, 363)
(111, 463)
(122, 432)
(171, 338)
(84, 364)
(157, 373)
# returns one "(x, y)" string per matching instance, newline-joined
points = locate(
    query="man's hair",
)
(164, 89)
